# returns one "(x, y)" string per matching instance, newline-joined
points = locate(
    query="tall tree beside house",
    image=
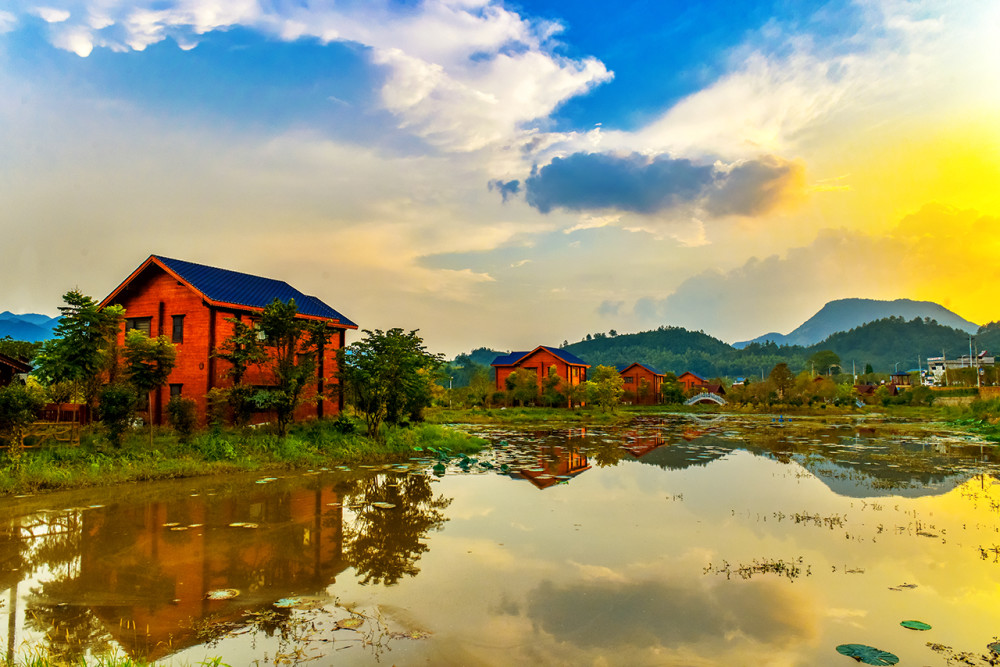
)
(522, 386)
(551, 389)
(148, 362)
(242, 349)
(387, 377)
(605, 387)
(84, 351)
(292, 344)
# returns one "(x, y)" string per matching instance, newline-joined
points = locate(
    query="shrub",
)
(118, 401)
(183, 415)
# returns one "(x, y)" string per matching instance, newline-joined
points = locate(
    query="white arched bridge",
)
(706, 397)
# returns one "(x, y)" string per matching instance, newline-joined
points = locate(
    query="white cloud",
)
(52, 14)
(7, 21)
(463, 75)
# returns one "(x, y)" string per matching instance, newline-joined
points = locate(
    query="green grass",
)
(96, 462)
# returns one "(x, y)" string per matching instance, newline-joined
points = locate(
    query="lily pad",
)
(222, 594)
(284, 603)
(867, 654)
(915, 625)
(383, 505)
(352, 623)
(994, 647)
(266, 480)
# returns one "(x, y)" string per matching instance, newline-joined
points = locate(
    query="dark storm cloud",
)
(636, 183)
(755, 187)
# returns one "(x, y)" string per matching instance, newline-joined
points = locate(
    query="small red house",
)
(642, 383)
(569, 367)
(190, 304)
(690, 381)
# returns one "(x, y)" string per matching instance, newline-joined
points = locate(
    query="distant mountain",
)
(845, 314)
(31, 327)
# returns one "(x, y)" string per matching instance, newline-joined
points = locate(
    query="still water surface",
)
(674, 541)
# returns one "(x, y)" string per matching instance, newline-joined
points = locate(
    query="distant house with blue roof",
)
(570, 368)
(642, 383)
(190, 303)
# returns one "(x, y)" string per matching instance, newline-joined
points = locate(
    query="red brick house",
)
(633, 377)
(11, 368)
(189, 303)
(569, 367)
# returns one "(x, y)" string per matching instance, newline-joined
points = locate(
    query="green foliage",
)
(387, 377)
(19, 349)
(183, 414)
(605, 387)
(825, 361)
(19, 406)
(292, 345)
(781, 379)
(84, 347)
(118, 401)
(148, 361)
(522, 386)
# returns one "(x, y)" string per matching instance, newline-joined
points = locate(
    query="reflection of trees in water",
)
(383, 545)
(71, 631)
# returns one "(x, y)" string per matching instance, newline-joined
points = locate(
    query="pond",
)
(676, 540)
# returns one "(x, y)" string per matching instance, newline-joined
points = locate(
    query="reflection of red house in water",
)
(555, 465)
(642, 383)
(638, 446)
(176, 558)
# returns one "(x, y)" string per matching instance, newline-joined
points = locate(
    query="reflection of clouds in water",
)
(649, 614)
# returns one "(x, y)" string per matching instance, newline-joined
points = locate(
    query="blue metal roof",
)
(243, 289)
(514, 357)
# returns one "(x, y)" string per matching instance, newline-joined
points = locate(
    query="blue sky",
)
(506, 174)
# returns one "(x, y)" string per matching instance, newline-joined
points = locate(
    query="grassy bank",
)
(320, 443)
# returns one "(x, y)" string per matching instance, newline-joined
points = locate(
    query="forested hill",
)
(883, 344)
(894, 340)
(674, 349)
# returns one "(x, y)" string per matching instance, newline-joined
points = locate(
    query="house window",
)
(143, 324)
(175, 390)
(178, 329)
(629, 380)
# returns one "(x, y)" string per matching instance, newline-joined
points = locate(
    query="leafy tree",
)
(522, 386)
(183, 414)
(781, 379)
(551, 394)
(480, 387)
(671, 391)
(825, 361)
(868, 369)
(84, 348)
(118, 402)
(292, 344)
(19, 406)
(387, 376)
(148, 365)
(19, 349)
(242, 349)
(605, 388)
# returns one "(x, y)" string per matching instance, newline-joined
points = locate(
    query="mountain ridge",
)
(845, 314)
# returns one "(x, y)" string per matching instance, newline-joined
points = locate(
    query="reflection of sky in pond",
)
(671, 547)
